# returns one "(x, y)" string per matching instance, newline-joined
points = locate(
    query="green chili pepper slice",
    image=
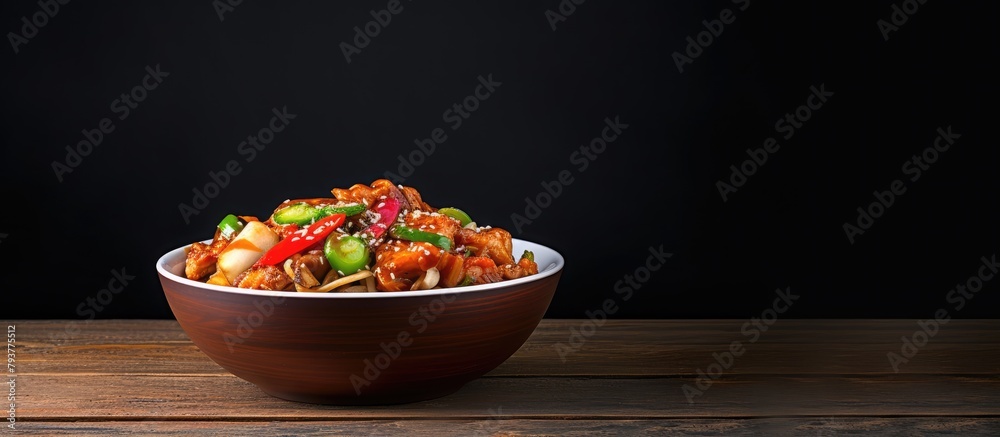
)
(303, 213)
(456, 214)
(299, 213)
(347, 210)
(230, 226)
(347, 254)
(407, 233)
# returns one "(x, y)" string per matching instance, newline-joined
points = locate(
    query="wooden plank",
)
(797, 331)
(610, 359)
(926, 426)
(619, 348)
(107, 397)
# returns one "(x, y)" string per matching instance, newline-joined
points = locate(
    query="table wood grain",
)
(801, 377)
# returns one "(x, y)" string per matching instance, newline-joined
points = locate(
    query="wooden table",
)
(820, 377)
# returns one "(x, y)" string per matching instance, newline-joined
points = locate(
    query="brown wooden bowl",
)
(361, 348)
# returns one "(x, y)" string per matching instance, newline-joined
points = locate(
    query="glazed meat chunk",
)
(494, 243)
(399, 263)
(263, 278)
(435, 223)
(201, 258)
(368, 194)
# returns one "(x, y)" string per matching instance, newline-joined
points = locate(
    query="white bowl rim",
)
(554, 265)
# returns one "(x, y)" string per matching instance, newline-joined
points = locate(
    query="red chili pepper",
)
(288, 230)
(387, 209)
(302, 239)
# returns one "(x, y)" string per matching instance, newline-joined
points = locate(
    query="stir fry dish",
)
(378, 237)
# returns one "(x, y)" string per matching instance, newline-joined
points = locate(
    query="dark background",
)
(655, 185)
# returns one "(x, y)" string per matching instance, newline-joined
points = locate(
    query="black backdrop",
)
(654, 185)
